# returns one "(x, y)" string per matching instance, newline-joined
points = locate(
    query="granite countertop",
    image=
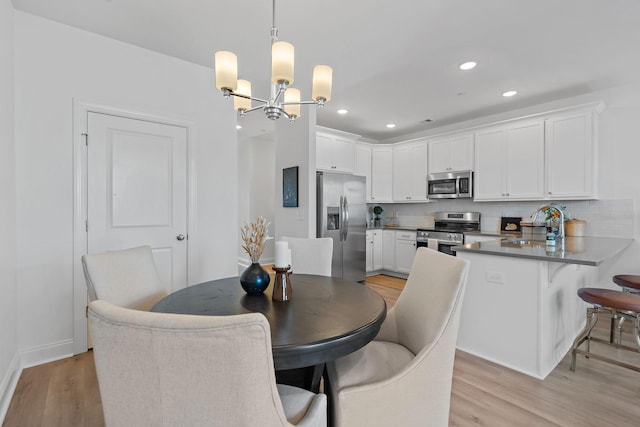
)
(574, 250)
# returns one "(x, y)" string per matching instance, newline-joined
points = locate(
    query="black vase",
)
(255, 279)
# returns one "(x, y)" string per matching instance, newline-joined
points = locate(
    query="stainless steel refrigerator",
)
(341, 215)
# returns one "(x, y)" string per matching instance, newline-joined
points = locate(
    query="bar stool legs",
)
(592, 319)
(618, 306)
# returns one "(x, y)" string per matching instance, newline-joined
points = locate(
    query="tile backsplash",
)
(605, 218)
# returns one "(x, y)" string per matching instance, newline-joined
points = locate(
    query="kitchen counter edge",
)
(574, 250)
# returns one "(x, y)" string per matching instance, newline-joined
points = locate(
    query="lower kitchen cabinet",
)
(374, 250)
(405, 250)
(389, 250)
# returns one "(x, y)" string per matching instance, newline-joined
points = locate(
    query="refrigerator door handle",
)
(346, 219)
(341, 219)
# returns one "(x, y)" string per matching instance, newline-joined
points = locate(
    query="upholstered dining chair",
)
(127, 278)
(403, 377)
(159, 369)
(311, 256)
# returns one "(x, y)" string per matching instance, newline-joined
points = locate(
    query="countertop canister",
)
(575, 227)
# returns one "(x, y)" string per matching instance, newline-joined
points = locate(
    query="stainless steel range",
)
(448, 231)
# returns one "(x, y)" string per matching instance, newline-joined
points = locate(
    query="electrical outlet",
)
(495, 277)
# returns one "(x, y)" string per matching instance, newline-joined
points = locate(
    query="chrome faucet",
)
(545, 208)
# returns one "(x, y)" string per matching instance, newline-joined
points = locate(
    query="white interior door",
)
(137, 191)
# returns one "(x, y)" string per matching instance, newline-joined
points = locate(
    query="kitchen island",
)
(521, 308)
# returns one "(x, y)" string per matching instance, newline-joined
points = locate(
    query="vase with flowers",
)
(255, 279)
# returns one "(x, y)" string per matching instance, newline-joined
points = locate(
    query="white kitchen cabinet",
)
(389, 250)
(377, 250)
(405, 250)
(410, 172)
(570, 156)
(450, 154)
(362, 166)
(369, 251)
(509, 161)
(333, 154)
(381, 174)
(374, 250)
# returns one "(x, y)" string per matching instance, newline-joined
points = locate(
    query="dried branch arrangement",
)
(254, 236)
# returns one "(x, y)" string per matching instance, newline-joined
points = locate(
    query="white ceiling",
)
(394, 61)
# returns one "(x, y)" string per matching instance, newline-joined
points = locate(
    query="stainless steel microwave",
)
(450, 185)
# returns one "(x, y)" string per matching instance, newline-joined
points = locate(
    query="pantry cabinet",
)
(509, 161)
(410, 172)
(451, 154)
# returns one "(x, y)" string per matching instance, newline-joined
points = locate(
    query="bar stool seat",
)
(616, 304)
(627, 281)
(610, 298)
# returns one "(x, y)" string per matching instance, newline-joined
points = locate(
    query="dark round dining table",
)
(325, 319)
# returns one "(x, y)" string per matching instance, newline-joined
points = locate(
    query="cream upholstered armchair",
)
(403, 377)
(311, 256)
(127, 278)
(158, 369)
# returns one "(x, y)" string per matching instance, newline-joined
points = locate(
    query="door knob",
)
(180, 237)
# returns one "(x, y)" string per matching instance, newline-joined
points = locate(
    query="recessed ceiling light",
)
(342, 111)
(391, 125)
(238, 127)
(509, 93)
(468, 65)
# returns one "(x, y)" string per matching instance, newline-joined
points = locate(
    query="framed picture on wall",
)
(290, 187)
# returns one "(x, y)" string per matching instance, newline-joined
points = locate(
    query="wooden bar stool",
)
(615, 304)
(628, 282)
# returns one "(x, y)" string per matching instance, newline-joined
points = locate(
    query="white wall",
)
(296, 146)
(8, 290)
(256, 191)
(55, 64)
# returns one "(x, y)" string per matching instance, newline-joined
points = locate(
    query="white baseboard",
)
(47, 353)
(8, 386)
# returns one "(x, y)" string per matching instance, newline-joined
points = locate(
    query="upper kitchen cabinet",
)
(362, 165)
(410, 172)
(335, 150)
(451, 154)
(509, 161)
(570, 164)
(381, 174)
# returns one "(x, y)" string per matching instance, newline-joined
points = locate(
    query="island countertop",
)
(573, 250)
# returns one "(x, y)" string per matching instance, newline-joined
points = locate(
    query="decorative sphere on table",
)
(255, 279)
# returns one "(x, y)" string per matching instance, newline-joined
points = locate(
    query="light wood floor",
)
(65, 392)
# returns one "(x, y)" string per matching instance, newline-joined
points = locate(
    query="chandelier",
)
(284, 100)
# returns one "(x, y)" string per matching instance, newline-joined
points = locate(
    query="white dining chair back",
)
(159, 369)
(404, 376)
(311, 256)
(127, 277)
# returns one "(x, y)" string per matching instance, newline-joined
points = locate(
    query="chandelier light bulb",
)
(226, 64)
(239, 103)
(282, 54)
(292, 95)
(322, 81)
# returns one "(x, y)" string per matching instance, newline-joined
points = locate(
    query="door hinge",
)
(86, 311)
(86, 138)
(86, 225)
